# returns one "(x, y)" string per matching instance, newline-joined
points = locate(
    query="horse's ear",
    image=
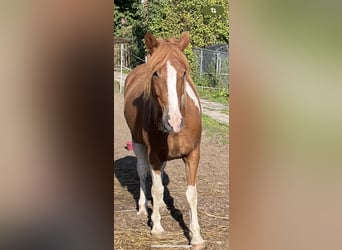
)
(184, 41)
(150, 41)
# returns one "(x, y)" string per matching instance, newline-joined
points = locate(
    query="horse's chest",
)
(179, 146)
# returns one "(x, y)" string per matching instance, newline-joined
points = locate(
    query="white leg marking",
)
(174, 113)
(157, 195)
(191, 196)
(162, 174)
(142, 203)
(192, 95)
(142, 168)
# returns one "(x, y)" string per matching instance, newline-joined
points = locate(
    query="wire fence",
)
(123, 59)
(212, 64)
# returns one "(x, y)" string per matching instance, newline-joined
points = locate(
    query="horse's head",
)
(167, 70)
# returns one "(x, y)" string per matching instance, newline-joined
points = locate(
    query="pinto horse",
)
(163, 112)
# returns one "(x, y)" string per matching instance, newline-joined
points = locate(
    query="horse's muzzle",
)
(173, 123)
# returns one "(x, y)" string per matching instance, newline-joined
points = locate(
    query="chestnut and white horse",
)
(163, 112)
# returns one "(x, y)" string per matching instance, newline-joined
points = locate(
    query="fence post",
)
(201, 66)
(218, 68)
(121, 66)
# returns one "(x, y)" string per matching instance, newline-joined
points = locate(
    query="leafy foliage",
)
(166, 18)
(171, 18)
(217, 95)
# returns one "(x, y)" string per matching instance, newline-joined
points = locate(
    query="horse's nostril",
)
(182, 123)
(174, 124)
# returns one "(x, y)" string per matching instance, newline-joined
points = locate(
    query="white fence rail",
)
(122, 60)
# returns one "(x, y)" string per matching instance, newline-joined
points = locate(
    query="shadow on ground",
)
(126, 172)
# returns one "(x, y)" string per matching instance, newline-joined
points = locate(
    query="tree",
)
(166, 18)
(124, 17)
(171, 18)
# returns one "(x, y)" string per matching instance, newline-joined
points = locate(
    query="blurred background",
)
(56, 151)
(285, 124)
(56, 122)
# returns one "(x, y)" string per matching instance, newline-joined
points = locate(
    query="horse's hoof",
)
(198, 246)
(158, 234)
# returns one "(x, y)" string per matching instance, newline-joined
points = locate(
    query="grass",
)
(218, 132)
(220, 96)
(225, 110)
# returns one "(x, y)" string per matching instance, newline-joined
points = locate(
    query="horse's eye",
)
(155, 74)
(185, 73)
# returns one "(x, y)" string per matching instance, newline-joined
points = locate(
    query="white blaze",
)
(174, 113)
(192, 95)
(172, 88)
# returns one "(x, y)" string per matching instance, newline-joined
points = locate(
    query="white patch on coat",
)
(192, 95)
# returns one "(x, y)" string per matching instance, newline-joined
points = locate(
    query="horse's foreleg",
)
(157, 195)
(191, 165)
(196, 238)
(142, 168)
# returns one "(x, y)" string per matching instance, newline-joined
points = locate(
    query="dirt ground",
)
(133, 232)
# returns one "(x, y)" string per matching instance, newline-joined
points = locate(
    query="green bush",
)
(165, 18)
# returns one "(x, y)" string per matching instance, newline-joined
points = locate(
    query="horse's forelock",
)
(165, 51)
(156, 61)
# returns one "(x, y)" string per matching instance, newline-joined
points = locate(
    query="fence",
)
(121, 54)
(123, 58)
(213, 65)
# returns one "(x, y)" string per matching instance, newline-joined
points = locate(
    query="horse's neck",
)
(152, 110)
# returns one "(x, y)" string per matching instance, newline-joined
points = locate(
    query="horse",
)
(163, 113)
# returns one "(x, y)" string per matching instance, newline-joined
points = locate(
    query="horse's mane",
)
(167, 49)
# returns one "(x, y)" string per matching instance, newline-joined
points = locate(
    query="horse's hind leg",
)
(142, 168)
(163, 178)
